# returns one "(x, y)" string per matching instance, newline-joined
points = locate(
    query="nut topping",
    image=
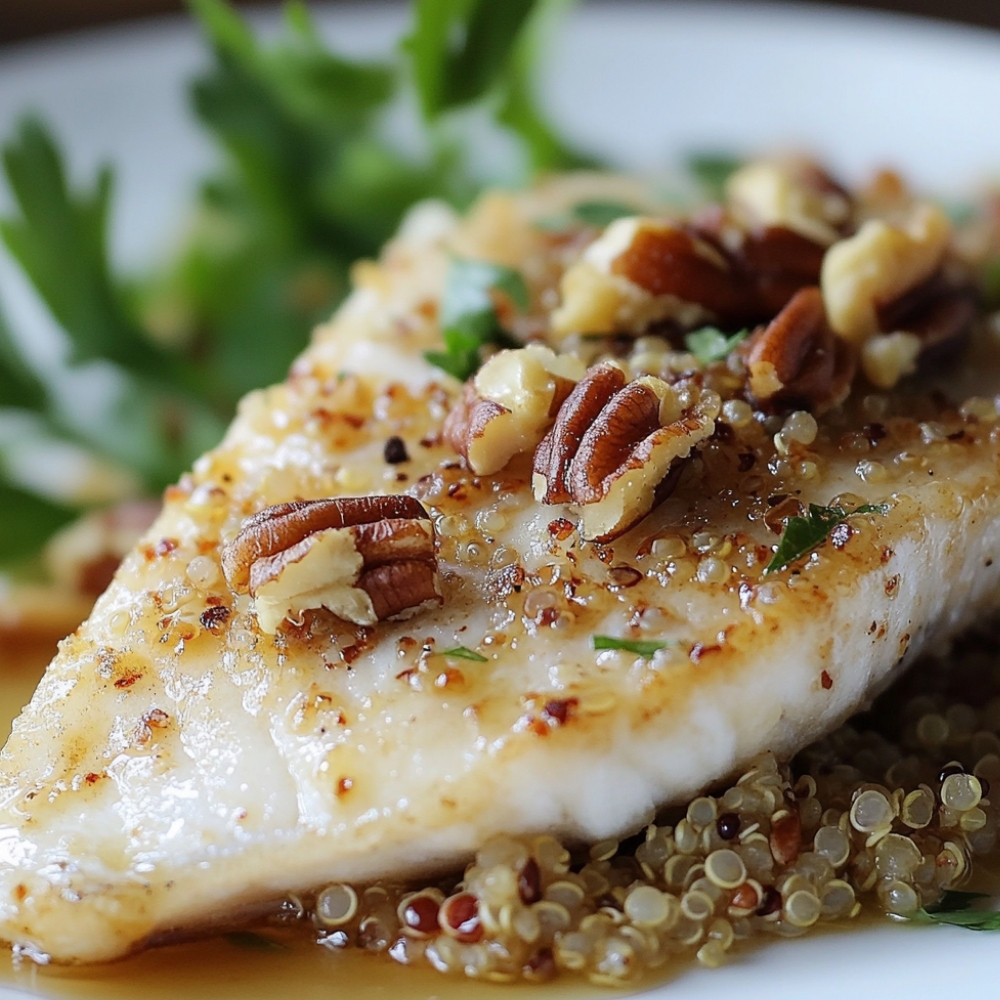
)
(638, 272)
(797, 360)
(509, 405)
(793, 194)
(878, 265)
(645, 271)
(364, 559)
(940, 312)
(617, 447)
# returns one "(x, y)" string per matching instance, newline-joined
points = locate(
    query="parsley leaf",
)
(646, 648)
(22, 388)
(60, 240)
(463, 653)
(146, 418)
(464, 52)
(468, 317)
(519, 107)
(710, 344)
(600, 213)
(954, 908)
(460, 47)
(803, 534)
(306, 183)
(299, 195)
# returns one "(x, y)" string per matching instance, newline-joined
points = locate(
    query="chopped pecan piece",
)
(793, 194)
(617, 447)
(363, 558)
(939, 312)
(669, 260)
(509, 404)
(797, 360)
(894, 290)
(878, 265)
(777, 263)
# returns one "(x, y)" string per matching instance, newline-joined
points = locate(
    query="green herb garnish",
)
(597, 214)
(464, 51)
(306, 182)
(459, 48)
(954, 908)
(710, 344)
(803, 534)
(149, 419)
(712, 171)
(646, 648)
(600, 214)
(469, 318)
(464, 653)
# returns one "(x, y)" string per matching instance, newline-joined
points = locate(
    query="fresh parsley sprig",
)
(306, 183)
(468, 51)
(146, 419)
(803, 534)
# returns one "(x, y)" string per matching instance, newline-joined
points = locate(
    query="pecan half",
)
(362, 558)
(671, 260)
(777, 263)
(797, 360)
(642, 271)
(617, 447)
(713, 269)
(509, 404)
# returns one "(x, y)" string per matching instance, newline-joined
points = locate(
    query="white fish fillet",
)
(175, 769)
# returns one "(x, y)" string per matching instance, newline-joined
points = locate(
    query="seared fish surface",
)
(551, 598)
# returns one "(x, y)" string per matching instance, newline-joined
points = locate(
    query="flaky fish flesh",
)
(724, 477)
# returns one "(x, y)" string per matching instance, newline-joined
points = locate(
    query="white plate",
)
(640, 84)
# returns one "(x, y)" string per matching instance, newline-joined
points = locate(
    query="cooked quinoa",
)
(884, 815)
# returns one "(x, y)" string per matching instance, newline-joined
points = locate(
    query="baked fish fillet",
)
(547, 641)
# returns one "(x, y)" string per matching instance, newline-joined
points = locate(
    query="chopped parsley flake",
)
(712, 170)
(464, 653)
(646, 648)
(803, 534)
(599, 214)
(469, 318)
(710, 344)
